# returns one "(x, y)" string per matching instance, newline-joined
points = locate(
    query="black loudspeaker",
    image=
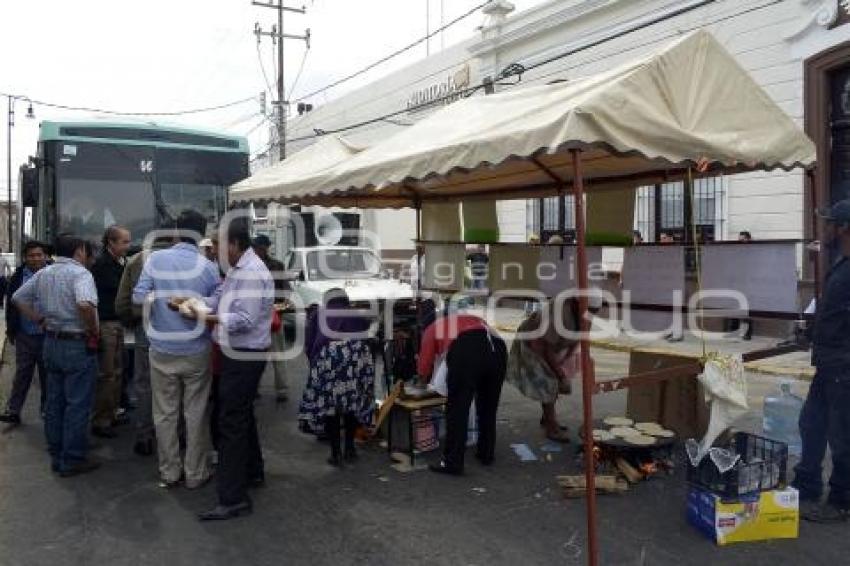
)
(308, 220)
(350, 222)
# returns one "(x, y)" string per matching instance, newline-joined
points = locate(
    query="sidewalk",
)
(794, 365)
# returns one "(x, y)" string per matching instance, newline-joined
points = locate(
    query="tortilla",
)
(603, 435)
(618, 421)
(640, 440)
(625, 431)
(646, 427)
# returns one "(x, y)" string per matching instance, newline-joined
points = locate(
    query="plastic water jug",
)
(781, 415)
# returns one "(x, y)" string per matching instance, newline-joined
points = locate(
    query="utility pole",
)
(9, 127)
(278, 36)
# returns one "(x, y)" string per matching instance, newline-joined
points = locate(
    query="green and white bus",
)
(89, 175)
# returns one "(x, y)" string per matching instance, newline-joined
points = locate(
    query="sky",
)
(172, 55)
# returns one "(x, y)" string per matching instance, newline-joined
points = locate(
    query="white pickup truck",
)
(357, 271)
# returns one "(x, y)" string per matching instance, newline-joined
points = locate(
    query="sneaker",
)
(11, 418)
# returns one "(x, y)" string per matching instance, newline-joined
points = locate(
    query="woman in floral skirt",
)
(339, 393)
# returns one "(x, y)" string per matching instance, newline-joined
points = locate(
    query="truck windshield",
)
(342, 264)
(88, 206)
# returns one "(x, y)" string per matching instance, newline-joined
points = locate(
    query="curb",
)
(764, 368)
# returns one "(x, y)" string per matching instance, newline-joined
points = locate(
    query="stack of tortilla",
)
(640, 434)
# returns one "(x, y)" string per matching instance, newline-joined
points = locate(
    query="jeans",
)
(71, 378)
(28, 357)
(825, 420)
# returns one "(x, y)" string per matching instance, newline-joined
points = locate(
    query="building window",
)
(664, 208)
(658, 208)
(544, 217)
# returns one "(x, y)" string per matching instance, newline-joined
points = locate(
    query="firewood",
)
(629, 471)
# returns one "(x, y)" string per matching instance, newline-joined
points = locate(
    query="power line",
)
(121, 113)
(391, 55)
(263, 120)
(298, 74)
(656, 39)
(278, 37)
(263, 70)
(516, 69)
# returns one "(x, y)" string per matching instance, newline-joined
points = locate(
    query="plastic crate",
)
(762, 467)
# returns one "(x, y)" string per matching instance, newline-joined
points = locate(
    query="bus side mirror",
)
(29, 186)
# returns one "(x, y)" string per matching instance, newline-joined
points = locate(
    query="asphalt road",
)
(369, 513)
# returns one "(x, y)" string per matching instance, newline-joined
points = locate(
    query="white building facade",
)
(797, 50)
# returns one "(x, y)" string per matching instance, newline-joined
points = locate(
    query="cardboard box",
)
(761, 516)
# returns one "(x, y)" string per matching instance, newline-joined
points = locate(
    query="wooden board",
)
(677, 404)
(388, 403)
(576, 486)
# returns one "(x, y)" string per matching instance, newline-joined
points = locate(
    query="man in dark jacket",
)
(107, 272)
(25, 335)
(825, 418)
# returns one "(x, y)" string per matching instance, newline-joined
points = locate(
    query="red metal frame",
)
(588, 379)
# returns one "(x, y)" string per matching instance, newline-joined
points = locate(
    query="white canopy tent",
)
(688, 105)
(310, 161)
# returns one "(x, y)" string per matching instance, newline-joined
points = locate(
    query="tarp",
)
(644, 122)
(315, 159)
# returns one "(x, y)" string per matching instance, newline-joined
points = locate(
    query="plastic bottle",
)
(781, 416)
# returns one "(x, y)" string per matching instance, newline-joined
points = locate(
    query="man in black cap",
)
(261, 245)
(825, 418)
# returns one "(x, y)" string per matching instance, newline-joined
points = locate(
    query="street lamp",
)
(11, 98)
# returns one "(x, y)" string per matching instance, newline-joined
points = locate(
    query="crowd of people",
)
(205, 317)
(67, 318)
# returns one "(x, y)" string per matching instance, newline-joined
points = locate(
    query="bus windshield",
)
(209, 200)
(88, 206)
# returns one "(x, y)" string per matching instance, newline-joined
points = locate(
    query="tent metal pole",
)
(418, 244)
(588, 379)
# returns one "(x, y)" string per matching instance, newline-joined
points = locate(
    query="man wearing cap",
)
(208, 249)
(261, 245)
(825, 418)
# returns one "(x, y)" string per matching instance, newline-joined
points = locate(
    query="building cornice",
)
(536, 21)
(823, 14)
(817, 30)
